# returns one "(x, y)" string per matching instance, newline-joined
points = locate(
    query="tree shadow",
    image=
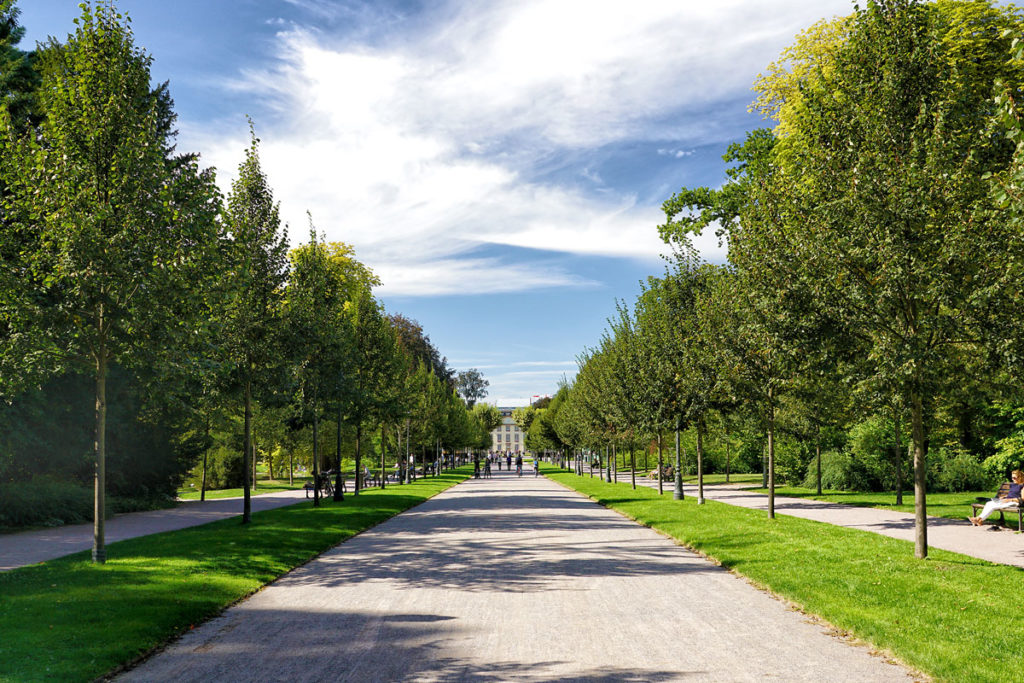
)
(296, 645)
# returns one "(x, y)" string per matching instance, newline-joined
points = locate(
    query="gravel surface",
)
(511, 579)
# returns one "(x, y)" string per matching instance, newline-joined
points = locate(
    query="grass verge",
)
(952, 616)
(68, 619)
(948, 505)
(265, 486)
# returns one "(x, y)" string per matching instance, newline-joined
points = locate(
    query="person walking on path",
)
(536, 466)
(1011, 499)
(519, 464)
(508, 461)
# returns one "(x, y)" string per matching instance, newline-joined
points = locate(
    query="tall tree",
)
(257, 271)
(472, 386)
(97, 182)
(891, 221)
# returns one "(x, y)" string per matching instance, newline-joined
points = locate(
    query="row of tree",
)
(875, 254)
(119, 255)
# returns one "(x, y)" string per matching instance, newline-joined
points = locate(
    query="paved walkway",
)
(956, 535)
(511, 579)
(29, 547)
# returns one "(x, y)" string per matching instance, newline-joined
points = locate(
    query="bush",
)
(960, 471)
(840, 472)
(1009, 456)
(50, 502)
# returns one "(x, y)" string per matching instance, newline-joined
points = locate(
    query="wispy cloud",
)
(423, 145)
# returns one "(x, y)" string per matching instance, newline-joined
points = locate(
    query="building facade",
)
(508, 437)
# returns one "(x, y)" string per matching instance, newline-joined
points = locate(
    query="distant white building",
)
(508, 436)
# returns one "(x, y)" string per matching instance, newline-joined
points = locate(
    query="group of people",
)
(482, 466)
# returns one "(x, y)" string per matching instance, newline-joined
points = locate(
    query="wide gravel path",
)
(511, 579)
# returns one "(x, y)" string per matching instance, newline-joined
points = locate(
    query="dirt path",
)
(511, 579)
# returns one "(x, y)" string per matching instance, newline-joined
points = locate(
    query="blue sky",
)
(501, 165)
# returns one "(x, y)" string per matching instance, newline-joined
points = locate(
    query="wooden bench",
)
(1004, 490)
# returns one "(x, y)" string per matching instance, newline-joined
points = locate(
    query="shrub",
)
(49, 502)
(840, 472)
(960, 471)
(1009, 456)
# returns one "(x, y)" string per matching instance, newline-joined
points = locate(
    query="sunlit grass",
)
(68, 619)
(948, 505)
(263, 486)
(949, 615)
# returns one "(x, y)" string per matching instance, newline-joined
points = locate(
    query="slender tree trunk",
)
(898, 458)
(615, 464)
(677, 492)
(316, 457)
(817, 454)
(408, 468)
(700, 461)
(206, 452)
(359, 457)
(632, 463)
(661, 470)
(920, 499)
(246, 454)
(647, 452)
(771, 457)
(253, 458)
(383, 457)
(291, 466)
(608, 463)
(99, 546)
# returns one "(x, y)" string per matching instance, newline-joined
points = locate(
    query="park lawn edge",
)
(927, 615)
(102, 633)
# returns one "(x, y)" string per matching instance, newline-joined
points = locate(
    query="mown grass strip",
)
(954, 617)
(265, 486)
(68, 619)
(948, 505)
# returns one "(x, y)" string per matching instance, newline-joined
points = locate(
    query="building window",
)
(507, 428)
(517, 437)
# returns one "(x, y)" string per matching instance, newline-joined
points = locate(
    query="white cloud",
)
(420, 149)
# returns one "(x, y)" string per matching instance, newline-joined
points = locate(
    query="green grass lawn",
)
(745, 478)
(952, 616)
(264, 486)
(68, 619)
(950, 505)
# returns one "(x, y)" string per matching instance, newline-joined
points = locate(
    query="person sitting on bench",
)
(1010, 499)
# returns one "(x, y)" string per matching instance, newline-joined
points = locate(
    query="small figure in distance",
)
(536, 465)
(1012, 498)
(519, 464)
(508, 460)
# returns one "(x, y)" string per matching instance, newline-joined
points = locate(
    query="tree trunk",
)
(246, 453)
(291, 466)
(898, 457)
(99, 547)
(316, 458)
(359, 458)
(383, 464)
(206, 452)
(661, 486)
(253, 459)
(700, 461)
(615, 464)
(632, 464)
(771, 458)
(817, 454)
(405, 465)
(920, 502)
(677, 492)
